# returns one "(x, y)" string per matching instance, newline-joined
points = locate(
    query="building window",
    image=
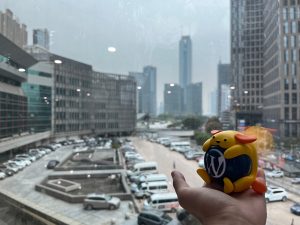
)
(286, 98)
(293, 41)
(286, 84)
(294, 113)
(294, 55)
(294, 98)
(294, 69)
(286, 69)
(287, 130)
(294, 28)
(294, 130)
(292, 13)
(286, 113)
(294, 84)
(285, 42)
(286, 27)
(286, 56)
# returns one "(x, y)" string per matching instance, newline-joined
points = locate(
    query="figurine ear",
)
(213, 132)
(244, 139)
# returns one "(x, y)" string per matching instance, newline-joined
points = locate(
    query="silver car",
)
(101, 201)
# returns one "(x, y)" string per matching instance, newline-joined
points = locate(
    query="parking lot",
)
(21, 187)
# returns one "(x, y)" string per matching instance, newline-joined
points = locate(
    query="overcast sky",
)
(144, 32)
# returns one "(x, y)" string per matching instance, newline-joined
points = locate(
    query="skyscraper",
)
(281, 67)
(12, 29)
(194, 99)
(173, 99)
(149, 92)
(185, 61)
(224, 77)
(146, 90)
(247, 45)
(41, 38)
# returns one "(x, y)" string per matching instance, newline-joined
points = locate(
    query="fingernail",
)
(173, 173)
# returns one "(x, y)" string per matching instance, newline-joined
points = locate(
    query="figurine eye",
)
(225, 139)
(213, 136)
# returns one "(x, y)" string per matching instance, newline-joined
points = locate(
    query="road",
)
(278, 212)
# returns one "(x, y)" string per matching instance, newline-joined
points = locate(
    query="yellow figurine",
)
(231, 161)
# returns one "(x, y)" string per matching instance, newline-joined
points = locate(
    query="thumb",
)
(179, 182)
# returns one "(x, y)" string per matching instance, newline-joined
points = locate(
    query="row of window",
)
(85, 126)
(293, 97)
(290, 130)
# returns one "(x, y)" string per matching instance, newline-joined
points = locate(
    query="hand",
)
(213, 207)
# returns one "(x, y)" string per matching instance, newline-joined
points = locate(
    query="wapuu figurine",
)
(231, 161)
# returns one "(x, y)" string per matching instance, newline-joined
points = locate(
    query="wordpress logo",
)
(215, 163)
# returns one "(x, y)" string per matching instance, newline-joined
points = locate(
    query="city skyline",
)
(139, 41)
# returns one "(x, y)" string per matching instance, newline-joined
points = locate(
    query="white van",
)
(143, 167)
(162, 201)
(148, 188)
(147, 178)
(175, 146)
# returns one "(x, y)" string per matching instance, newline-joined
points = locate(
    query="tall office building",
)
(281, 79)
(12, 29)
(185, 61)
(224, 77)
(149, 91)
(146, 90)
(247, 45)
(173, 99)
(41, 37)
(194, 99)
(140, 81)
(185, 66)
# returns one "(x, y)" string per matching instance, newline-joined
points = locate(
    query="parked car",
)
(52, 164)
(295, 209)
(193, 154)
(26, 156)
(101, 201)
(275, 173)
(8, 172)
(2, 174)
(153, 217)
(275, 194)
(296, 180)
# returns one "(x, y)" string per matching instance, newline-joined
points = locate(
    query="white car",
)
(275, 194)
(296, 180)
(275, 173)
(2, 175)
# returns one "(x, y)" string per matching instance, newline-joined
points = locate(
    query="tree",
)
(191, 123)
(201, 137)
(213, 123)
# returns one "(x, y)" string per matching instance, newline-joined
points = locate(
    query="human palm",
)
(213, 207)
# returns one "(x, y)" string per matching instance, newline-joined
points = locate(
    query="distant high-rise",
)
(149, 103)
(41, 37)
(12, 29)
(146, 90)
(194, 99)
(224, 77)
(173, 99)
(185, 61)
(140, 81)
